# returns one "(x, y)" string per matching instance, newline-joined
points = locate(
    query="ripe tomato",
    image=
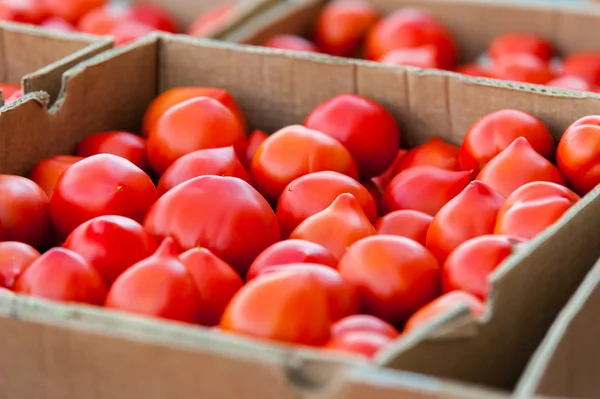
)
(223, 214)
(365, 343)
(158, 286)
(100, 185)
(473, 69)
(585, 65)
(494, 132)
(571, 83)
(296, 151)
(127, 31)
(578, 155)
(27, 11)
(123, 144)
(111, 244)
(211, 161)
(102, 20)
(210, 21)
(521, 67)
(341, 26)
(363, 126)
(519, 43)
(386, 177)
(533, 207)
(470, 214)
(312, 193)
(255, 140)
(71, 10)
(517, 165)
(62, 275)
(8, 89)
(15, 258)
(252, 311)
(436, 152)
(291, 42)
(24, 211)
(336, 227)
(363, 323)
(47, 172)
(420, 57)
(154, 16)
(424, 188)
(394, 276)
(217, 283)
(469, 265)
(405, 223)
(58, 24)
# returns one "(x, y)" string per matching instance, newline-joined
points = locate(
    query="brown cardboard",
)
(84, 351)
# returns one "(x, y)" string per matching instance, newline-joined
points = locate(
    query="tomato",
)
(410, 28)
(405, 223)
(585, 65)
(376, 192)
(103, 184)
(27, 11)
(312, 193)
(341, 26)
(519, 43)
(443, 305)
(253, 312)
(420, 57)
(210, 21)
(24, 211)
(571, 83)
(473, 69)
(532, 208)
(255, 140)
(71, 10)
(14, 97)
(394, 276)
(47, 172)
(386, 177)
(223, 214)
(102, 20)
(578, 155)
(521, 67)
(217, 283)
(111, 244)
(58, 24)
(363, 323)
(288, 252)
(469, 265)
(291, 42)
(365, 343)
(127, 31)
(517, 165)
(435, 152)
(158, 286)
(296, 151)
(211, 161)
(363, 126)
(424, 188)
(154, 16)
(15, 258)
(494, 132)
(6, 14)
(62, 275)
(337, 226)
(8, 89)
(470, 214)
(124, 144)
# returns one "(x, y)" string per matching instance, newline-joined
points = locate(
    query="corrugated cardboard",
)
(82, 352)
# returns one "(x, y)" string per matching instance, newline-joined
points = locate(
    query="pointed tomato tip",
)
(168, 247)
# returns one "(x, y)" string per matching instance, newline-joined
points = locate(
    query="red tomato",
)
(469, 265)
(255, 140)
(27, 11)
(223, 214)
(365, 343)
(296, 151)
(386, 177)
(336, 227)
(71, 10)
(15, 258)
(578, 154)
(571, 83)
(158, 286)
(24, 211)
(436, 152)
(210, 21)
(405, 223)
(522, 67)
(154, 16)
(217, 283)
(8, 89)
(363, 126)
(341, 26)
(211, 161)
(5, 13)
(394, 276)
(585, 65)
(424, 188)
(420, 57)
(470, 214)
(252, 311)
(62, 275)
(111, 244)
(100, 185)
(519, 43)
(58, 24)
(124, 144)
(376, 192)
(517, 165)
(47, 172)
(494, 132)
(363, 323)
(533, 207)
(291, 42)
(312, 193)
(473, 69)
(102, 20)
(127, 31)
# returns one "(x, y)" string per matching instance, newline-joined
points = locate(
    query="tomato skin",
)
(364, 343)
(532, 208)
(62, 275)
(376, 192)
(102, 20)
(519, 43)
(405, 223)
(47, 172)
(154, 16)
(124, 144)
(71, 10)
(15, 258)
(473, 69)
(571, 83)
(27, 11)
(420, 57)
(8, 89)
(386, 177)
(436, 152)
(255, 140)
(223, 214)
(58, 24)
(103, 184)
(578, 155)
(585, 65)
(291, 42)
(208, 22)
(111, 244)
(216, 281)
(363, 126)
(521, 67)
(363, 323)
(127, 31)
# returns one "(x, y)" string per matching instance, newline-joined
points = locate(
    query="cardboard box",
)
(63, 351)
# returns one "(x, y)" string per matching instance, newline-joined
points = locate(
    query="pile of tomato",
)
(323, 234)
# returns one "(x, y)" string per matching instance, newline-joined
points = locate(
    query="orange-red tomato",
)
(71, 10)
(47, 172)
(578, 154)
(365, 343)
(58, 24)
(291, 42)
(436, 152)
(363, 126)
(473, 69)
(363, 323)
(571, 83)
(8, 89)
(405, 223)
(154, 16)
(470, 214)
(127, 31)
(217, 283)
(521, 43)
(255, 140)
(123, 144)
(27, 11)
(111, 244)
(585, 65)
(102, 20)
(521, 67)
(386, 177)
(210, 21)
(394, 276)
(15, 258)
(62, 275)
(420, 57)
(533, 207)
(336, 227)
(376, 192)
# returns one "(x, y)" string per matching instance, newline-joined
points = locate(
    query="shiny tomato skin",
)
(111, 244)
(102, 20)
(211, 20)
(291, 42)
(405, 223)
(585, 64)
(128, 31)
(15, 258)
(58, 24)
(62, 275)
(435, 152)
(47, 172)
(363, 323)
(8, 89)
(256, 138)
(386, 177)
(223, 214)
(521, 67)
(365, 343)
(571, 83)
(420, 57)
(71, 10)
(216, 281)
(519, 43)
(124, 144)
(363, 126)
(27, 11)
(578, 155)
(154, 16)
